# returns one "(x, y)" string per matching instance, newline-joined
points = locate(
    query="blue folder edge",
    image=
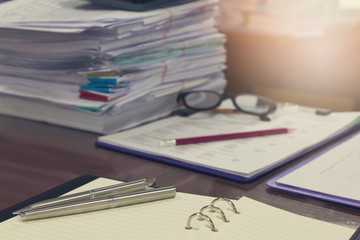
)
(219, 173)
(171, 161)
(272, 183)
(52, 193)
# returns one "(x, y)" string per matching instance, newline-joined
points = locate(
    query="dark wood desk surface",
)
(35, 157)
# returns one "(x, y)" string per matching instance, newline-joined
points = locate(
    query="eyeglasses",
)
(208, 100)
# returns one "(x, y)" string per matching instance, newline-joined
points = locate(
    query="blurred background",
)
(301, 51)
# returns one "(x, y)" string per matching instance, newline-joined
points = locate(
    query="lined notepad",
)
(166, 219)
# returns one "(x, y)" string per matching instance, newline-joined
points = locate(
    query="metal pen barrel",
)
(100, 203)
(90, 194)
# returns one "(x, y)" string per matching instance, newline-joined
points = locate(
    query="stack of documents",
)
(78, 64)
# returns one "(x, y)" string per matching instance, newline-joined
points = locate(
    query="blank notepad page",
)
(166, 219)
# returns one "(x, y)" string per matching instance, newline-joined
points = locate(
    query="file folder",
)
(241, 160)
(313, 193)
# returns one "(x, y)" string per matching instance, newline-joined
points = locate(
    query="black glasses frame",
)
(181, 98)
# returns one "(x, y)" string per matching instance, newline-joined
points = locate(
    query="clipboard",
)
(118, 142)
(52, 193)
(273, 183)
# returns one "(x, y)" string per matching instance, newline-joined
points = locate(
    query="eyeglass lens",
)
(202, 100)
(253, 104)
(205, 100)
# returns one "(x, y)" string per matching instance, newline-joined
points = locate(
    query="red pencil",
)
(221, 137)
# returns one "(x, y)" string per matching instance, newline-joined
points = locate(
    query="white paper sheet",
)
(336, 172)
(243, 157)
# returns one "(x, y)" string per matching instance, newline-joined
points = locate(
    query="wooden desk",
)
(35, 157)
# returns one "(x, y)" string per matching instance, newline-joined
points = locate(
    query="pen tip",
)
(151, 182)
(22, 210)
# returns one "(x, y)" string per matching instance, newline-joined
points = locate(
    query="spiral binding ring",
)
(112, 203)
(212, 208)
(226, 200)
(92, 194)
(202, 217)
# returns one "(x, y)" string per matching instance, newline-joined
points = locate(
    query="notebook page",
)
(336, 172)
(58, 10)
(160, 219)
(259, 221)
(81, 14)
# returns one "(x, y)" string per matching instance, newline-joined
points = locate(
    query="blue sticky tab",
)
(104, 89)
(110, 81)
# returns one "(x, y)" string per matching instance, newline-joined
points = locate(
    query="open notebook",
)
(166, 219)
(243, 159)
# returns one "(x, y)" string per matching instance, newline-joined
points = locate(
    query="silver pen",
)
(91, 194)
(100, 203)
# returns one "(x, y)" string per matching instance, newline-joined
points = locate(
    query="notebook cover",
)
(54, 192)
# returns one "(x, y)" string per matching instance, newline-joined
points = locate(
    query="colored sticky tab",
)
(356, 235)
(103, 89)
(110, 81)
(113, 81)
